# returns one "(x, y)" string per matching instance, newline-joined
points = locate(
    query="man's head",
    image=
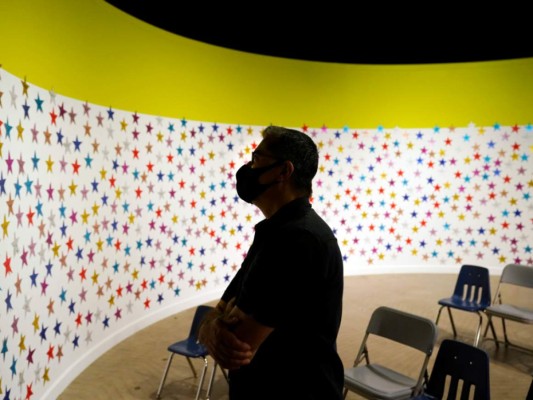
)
(286, 159)
(298, 148)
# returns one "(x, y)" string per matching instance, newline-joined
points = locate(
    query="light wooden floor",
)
(133, 369)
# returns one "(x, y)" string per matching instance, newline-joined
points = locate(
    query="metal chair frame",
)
(520, 276)
(372, 380)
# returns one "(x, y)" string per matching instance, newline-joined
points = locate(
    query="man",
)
(276, 325)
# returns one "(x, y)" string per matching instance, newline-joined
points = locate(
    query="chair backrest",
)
(460, 367)
(199, 315)
(516, 274)
(411, 330)
(473, 284)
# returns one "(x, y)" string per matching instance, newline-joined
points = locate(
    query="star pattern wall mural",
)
(108, 216)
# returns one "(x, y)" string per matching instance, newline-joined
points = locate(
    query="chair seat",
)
(462, 304)
(378, 381)
(188, 348)
(511, 312)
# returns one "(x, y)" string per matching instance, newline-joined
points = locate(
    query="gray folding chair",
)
(514, 277)
(374, 380)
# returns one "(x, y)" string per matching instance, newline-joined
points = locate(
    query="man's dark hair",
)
(297, 147)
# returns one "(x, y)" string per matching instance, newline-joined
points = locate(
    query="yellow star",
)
(99, 245)
(22, 345)
(118, 193)
(20, 130)
(5, 225)
(96, 208)
(46, 378)
(35, 323)
(72, 188)
(55, 249)
(25, 87)
(123, 125)
(111, 300)
(85, 216)
(103, 173)
(49, 164)
(95, 277)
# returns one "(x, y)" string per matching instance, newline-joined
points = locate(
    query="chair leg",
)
(505, 332)
(438, 315)
(201, 382)
(345, 393)
(192, 367)
(211, 379)
(493, 331)
(225, 374)
(451, 320)
(478, 333)
(158, 395)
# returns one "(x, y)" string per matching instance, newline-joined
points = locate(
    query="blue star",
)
(77, 144)
(71, 307)
(35, 161)
(39, 103)
(28, 184)
(26, 108)
(8, 302)
(13, 367)
(2, 184)
(18, 186)
(49, 267)
(42, 334)
(63, 295)
(57, 327)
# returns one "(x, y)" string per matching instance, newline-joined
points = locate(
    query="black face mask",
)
(248, 186)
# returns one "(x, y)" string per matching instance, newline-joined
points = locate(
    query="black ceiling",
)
(334, 34)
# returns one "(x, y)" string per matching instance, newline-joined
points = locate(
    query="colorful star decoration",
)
(108, 216)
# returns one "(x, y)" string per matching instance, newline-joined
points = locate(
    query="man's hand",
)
(223, 345)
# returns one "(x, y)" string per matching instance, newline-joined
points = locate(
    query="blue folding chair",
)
(461, 371)
(191, 348)
(471, 294)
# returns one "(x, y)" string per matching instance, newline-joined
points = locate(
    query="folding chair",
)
(190, 348)
(517, 278)
(372, 380)
(471, 294)
(460, 371)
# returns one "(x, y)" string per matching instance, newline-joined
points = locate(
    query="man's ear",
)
(287, 170)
